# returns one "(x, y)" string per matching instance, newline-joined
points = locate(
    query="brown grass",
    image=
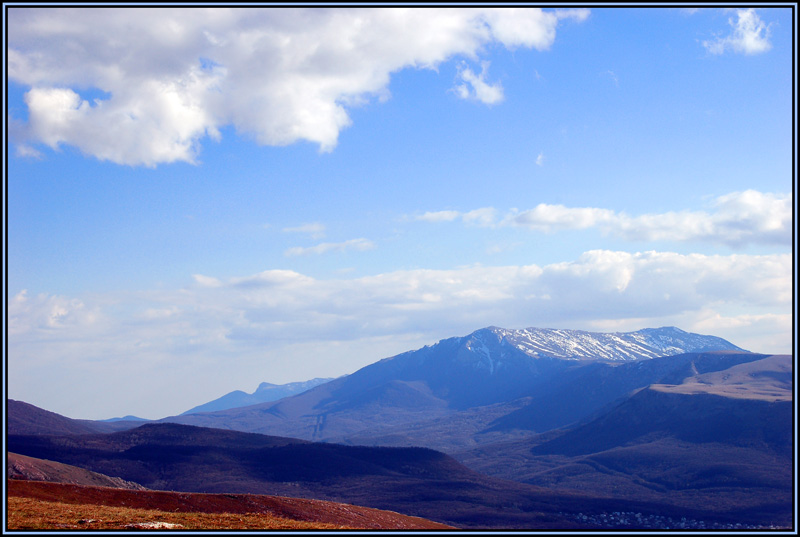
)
(32, 514)
(43, 505)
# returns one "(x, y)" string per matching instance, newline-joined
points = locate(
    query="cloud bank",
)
(287, 305)
(168, 78)
(738, 219)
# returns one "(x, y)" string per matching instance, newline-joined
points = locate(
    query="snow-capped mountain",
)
(617, 346)
(491, 366)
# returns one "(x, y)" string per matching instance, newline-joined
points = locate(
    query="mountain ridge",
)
(490, 366)
(264, 393)
(570, 344)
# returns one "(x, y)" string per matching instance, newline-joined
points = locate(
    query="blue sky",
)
(199, 201)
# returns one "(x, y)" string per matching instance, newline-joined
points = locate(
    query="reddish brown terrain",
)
(45, 505)
(30, 468)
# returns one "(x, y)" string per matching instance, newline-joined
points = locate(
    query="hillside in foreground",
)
(42, 505)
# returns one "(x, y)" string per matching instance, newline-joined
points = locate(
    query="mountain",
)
(265, 393)
(24, 418)
(126, 418)
(33, 469)
(694, 417)
(700, 440)
(616, 347)
(710, 439)
(413, 481)
(492, 366)
(583, 391)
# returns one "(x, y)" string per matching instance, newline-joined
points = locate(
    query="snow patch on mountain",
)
(487, 344)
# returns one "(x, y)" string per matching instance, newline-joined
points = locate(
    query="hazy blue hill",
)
(24, 418)
(456, 373)
(265, 393)
(719, 436)
(129, 417)
(580, 392)
(693, 418)
(488, 367)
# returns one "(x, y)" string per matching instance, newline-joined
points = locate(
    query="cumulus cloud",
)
(358, 245)
(750, 35)
(172, 78)
(738, 219)
(476, 87)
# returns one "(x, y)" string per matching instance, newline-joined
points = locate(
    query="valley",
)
(486, 431)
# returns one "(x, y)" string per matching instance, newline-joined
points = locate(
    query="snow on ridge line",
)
(580, 344)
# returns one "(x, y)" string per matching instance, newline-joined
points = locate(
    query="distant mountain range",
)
(570, 429)
(573, 345)
(491, 366)
(265, 393)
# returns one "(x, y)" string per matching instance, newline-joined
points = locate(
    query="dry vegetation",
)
(32, 514)
(41, 505)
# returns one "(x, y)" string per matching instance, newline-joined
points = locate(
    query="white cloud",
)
(540, 159)
(174, 77)
(481, 217)
(314, 229)
(602, 284)
(757, 332)
(475, 86)
(359, 245)
(484, 216)
(439, 216)
(750, 35)
(26, 151)
(739, 218)
(549, 218)
(48, 313)
(281, 325)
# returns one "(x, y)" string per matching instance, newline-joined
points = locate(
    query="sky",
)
(200, 200)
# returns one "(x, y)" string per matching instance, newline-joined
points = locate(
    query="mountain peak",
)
(569, 344)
